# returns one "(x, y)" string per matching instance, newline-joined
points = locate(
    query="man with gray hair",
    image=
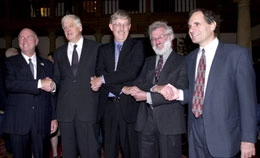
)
(118, 64)
(161, 123)
(74, 64)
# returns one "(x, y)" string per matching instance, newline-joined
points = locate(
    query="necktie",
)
(158, 69)
(31, 66)
(198, 95)
(75, 60)
(118, 49)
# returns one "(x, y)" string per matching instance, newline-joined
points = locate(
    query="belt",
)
(114, 99)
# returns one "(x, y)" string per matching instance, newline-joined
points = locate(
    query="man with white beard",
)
(160, 123)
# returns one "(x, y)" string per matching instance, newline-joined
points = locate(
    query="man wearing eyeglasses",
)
(161, 123)
(118, 65)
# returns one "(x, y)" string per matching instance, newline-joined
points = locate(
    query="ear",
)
(213, 26)
(80, 29)
(171, 37)
(36, 41)
(111, 27)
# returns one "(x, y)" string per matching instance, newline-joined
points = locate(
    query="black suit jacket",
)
(128, 68)
(26, 103)
(169, 115)
(75, 97)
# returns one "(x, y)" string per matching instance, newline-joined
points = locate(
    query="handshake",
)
(168, 91)
(48, 84)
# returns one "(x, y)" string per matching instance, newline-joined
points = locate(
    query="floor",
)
(4, 154)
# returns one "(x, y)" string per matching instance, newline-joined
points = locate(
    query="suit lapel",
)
(25, 66)
(214, 72)
(83, 56)
(40, 69)
(167, 67)
(191, 62)
(124, 51)
(65, 59)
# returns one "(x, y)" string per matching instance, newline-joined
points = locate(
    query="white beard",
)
(166, 46)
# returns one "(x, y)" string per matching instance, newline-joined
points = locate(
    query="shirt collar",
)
(211, 46)
(79, 43)
(27, 58)
(120, 43)
(166, 54)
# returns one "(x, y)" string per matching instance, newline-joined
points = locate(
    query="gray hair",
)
(120, 14)
(71, 16)
(158, 24)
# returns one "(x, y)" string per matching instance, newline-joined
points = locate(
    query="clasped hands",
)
(47, 84)
(135, 92)
(96, 83)
(169, 92)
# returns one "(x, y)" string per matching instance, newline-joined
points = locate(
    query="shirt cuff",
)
(149, 98)
(181, 95)
(39, 85)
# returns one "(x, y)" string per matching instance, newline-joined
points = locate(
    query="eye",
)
(121, 25)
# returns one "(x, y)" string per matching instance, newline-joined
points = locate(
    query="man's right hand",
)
(169, 92)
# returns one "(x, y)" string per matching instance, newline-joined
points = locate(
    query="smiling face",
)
(160, 40)
(71, 30)
(28, 40)
(120, 28)
(200, 31)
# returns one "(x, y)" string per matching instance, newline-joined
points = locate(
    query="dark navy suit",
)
(229, 109)
(29, 110)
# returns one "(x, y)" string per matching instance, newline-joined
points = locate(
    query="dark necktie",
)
(75, 60)
(31, 66)
(158, 69)
(117, 53)
(198, 95)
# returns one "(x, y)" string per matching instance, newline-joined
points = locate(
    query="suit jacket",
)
(169, 116)
(229, 109)
(2, 90)
(75, 97)
(26, 103)
(128, 68)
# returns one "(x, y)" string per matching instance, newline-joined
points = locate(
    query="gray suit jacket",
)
(229, 110)
(169, 115)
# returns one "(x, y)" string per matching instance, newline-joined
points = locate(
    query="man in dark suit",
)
(161, 123)
(226, 120)
(116, 68)
(30, 113)
(74, 64)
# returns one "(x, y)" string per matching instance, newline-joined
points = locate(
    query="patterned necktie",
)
(31, 66)
(158, 69)
(198, 95)
(75, 60)
(117, 53)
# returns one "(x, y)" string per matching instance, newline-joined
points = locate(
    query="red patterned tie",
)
(198, 96)
(158, 69)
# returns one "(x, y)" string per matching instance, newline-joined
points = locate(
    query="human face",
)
(28, 41)
(161, 41)
(120, 29)
(200, 31)
(71, 30)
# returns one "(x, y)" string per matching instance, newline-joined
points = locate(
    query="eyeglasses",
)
(153, 39)
(121, 25)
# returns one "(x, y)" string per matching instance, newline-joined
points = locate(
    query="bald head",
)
(11, 52)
